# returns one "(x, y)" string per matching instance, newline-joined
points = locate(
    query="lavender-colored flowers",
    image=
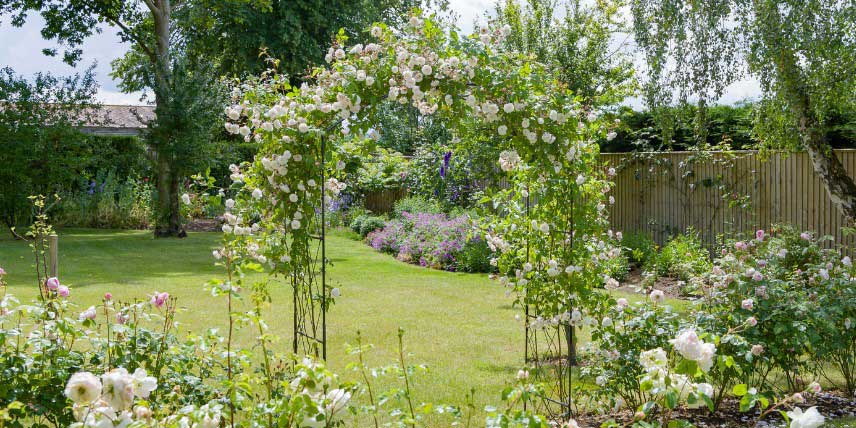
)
(431, 240)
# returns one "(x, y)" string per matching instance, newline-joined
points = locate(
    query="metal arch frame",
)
(551, 352)
(305, 289)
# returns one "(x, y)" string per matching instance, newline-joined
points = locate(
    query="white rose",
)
(811, 418)
(143, 383)
(83, 388)
(118, 388)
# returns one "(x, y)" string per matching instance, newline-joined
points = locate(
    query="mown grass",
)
(462, 326)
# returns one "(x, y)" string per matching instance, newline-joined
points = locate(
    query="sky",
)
(21, 49)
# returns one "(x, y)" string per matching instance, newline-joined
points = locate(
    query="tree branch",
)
(132, 36)
(152, 6)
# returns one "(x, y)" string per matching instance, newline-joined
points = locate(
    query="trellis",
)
(542, 125)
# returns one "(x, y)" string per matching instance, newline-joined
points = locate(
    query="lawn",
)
(461, 325)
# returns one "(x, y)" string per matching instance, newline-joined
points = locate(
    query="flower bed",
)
(433, 240)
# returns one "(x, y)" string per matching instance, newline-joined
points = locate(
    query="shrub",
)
(108, 203)
(625, 330)
(474, 256)
(683, 257)
(640, 248)
(371, 224)
(416, 205)
(432, 240)
(800, 300)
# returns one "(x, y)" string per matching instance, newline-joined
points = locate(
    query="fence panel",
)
(719, 193)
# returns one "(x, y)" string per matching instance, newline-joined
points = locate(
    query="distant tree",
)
(41, 149)
(802, 51)
(244, 35)
(158, 61)
(577, 40)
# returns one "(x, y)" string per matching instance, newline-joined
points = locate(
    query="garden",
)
(409, 226)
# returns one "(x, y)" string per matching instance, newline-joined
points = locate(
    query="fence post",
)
(53, 255)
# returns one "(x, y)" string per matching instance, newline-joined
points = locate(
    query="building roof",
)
(119, 120)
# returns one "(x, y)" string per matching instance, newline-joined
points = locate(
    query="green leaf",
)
(687, 367)
(740, 390)
(671, 399)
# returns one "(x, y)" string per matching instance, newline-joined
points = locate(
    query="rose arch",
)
(549, 228)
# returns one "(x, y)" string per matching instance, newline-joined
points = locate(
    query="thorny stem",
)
(229, 343)
(406, 378)
(366, 377)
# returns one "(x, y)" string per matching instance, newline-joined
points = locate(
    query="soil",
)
(832, 405)
(204, 225)
(669, 286)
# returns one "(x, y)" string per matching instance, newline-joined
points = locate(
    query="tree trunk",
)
(168, 208)
(839, 185)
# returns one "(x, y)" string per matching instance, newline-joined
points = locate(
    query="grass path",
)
(460, 325)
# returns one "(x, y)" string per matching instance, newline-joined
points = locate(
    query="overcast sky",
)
(21, 49)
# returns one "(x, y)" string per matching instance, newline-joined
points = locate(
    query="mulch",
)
(831, 404)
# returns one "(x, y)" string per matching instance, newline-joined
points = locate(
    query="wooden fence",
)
(382, 201)
(721, 193)
(715, 193)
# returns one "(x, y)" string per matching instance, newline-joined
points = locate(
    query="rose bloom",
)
(657, 296)
(752, 321)
(747, 304)
(52, 283)
(159, 299)
(63, 291)
(811, 418)
(757, 350)
(88, 314)
(83, 388)
(621, 303)
(118, 388)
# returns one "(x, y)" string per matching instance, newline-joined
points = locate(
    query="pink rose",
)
(757, 276)
(759, 234)
(740, 245)
(747, 304)
(752, 321)
(757, 350)
(52, 283)
(108, 296)
(63, 291)
(159, 299)
(2, 272)
(805, 236)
